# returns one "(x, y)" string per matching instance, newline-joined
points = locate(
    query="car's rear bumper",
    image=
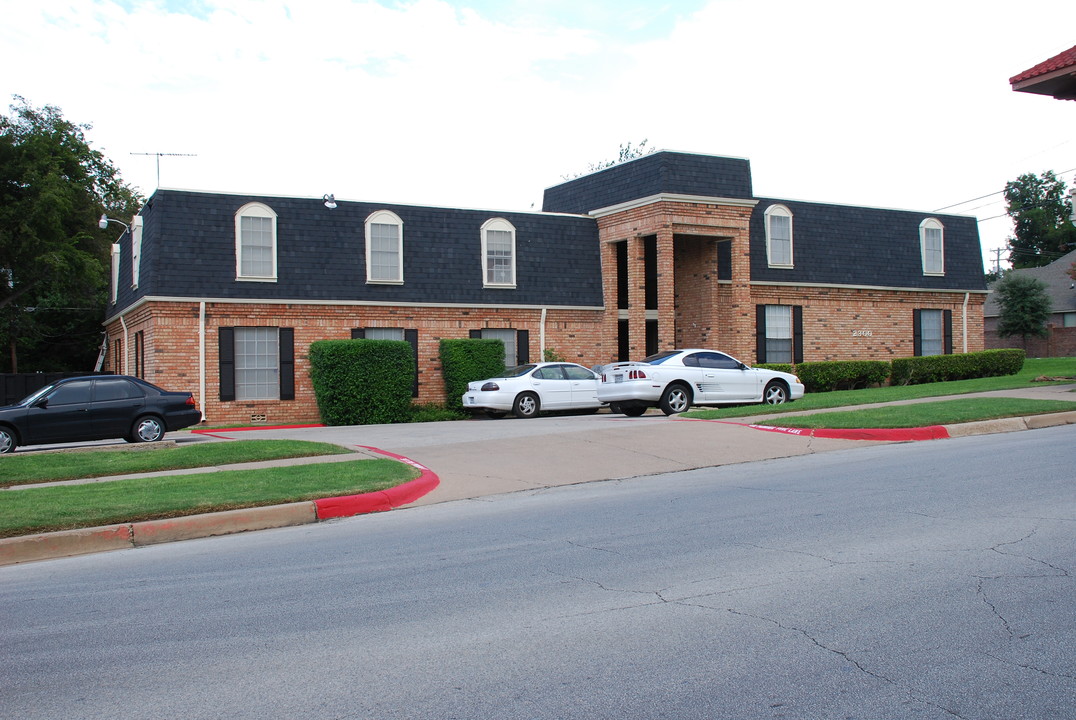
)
(628, 392)
(183, 418)
(488, 400)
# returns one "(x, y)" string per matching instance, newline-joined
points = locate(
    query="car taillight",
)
(636, 375)
(491, 386)
(190, 401)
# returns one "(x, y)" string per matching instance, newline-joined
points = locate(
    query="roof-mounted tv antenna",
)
(159, 155)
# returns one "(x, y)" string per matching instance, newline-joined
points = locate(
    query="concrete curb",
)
(66, 543)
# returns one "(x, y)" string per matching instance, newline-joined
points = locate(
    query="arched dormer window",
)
(384, 248)
(255, 243)
(779, 236)
(932, 246)
(498, 253)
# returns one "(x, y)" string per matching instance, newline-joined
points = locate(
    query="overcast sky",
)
(485, 103)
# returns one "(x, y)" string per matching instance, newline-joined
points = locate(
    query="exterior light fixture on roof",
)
(330, 200)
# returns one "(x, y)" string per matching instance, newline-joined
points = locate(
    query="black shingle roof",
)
(660, 172)
(189, 251)
(846, 245)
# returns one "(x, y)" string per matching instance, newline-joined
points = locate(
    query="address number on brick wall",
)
(862, 333)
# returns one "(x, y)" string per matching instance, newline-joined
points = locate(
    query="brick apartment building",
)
(223, 294)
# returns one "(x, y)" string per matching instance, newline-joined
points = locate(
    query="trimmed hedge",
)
(940, 368)
(467, 360)
(842, 374)
(362, 382)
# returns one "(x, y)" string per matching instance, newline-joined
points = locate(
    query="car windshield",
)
(32, 397)
(658, 358)
(518, 370)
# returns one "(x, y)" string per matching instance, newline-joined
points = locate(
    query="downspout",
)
(201, 358)
(964, 319)
(541, 338)
(125, 351)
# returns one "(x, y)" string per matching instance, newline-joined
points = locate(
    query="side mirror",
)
(42, 403)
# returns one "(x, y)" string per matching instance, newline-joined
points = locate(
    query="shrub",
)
(362, 382)
(842, 374)
(779, 367)
(941, 368)
(435, 413)
(467, 360)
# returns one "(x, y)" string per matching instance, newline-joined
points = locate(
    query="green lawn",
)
(1033, 368)
(944, 412)
(47, 467)
(33, 510)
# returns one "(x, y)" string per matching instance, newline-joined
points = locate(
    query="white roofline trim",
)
(672, 197)
(887, 288)
(346, 303)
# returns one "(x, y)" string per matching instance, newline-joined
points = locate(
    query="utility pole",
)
(159, 155)
(997, 260)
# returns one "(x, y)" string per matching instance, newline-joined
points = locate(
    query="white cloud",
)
(480, 103)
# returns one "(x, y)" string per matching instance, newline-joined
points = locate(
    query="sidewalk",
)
(494, 457)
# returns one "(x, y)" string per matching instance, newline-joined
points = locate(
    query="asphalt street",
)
(924, 580)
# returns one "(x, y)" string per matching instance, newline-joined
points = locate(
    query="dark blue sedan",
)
(100, 407)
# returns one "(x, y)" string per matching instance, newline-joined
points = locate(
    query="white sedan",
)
(528, 389)
(675, 380)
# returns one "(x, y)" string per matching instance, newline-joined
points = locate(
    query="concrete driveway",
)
(480, 457)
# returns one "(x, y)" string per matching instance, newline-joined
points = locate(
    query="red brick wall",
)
(172, 343)
(1061, 342)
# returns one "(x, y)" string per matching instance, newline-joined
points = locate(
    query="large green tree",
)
(1024, 306)
(1041, 214)
(53, 257)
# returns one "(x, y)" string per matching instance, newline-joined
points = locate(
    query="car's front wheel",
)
(675, 399)
(775, 393)
(526, 406)
(7, 440)
(147, 429)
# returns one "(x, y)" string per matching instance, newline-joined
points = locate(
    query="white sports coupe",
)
(675, 380)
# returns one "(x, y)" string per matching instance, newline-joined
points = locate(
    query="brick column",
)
(636, 299)
(742, 311)
(609, 326)
(666, 290)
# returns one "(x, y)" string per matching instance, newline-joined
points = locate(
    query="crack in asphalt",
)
(1033, 668)
(1063, 572)
(849, 659)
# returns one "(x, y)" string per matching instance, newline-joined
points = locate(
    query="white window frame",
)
(510, 338)
(783, 212)
(115, 271)
(136, 249)
(933, 260)
(258, 210)
(497, 225)
(267, 388)
(937, 344)
(779, 321)
(384, 217)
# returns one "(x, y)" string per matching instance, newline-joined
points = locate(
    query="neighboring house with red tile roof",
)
(1056, 77)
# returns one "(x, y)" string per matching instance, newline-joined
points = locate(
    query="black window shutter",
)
(411, 336)
(358, 333)
(797, 333)
(287, 363)
(947, 328)
(476, 334)
(523, 346)
(760, 333)
(917, 333)
(226, 356)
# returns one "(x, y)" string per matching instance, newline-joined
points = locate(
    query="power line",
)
(983, 197)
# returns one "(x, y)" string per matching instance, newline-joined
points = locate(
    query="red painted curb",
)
(930, 432)
(213, 432)
(381, 500)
